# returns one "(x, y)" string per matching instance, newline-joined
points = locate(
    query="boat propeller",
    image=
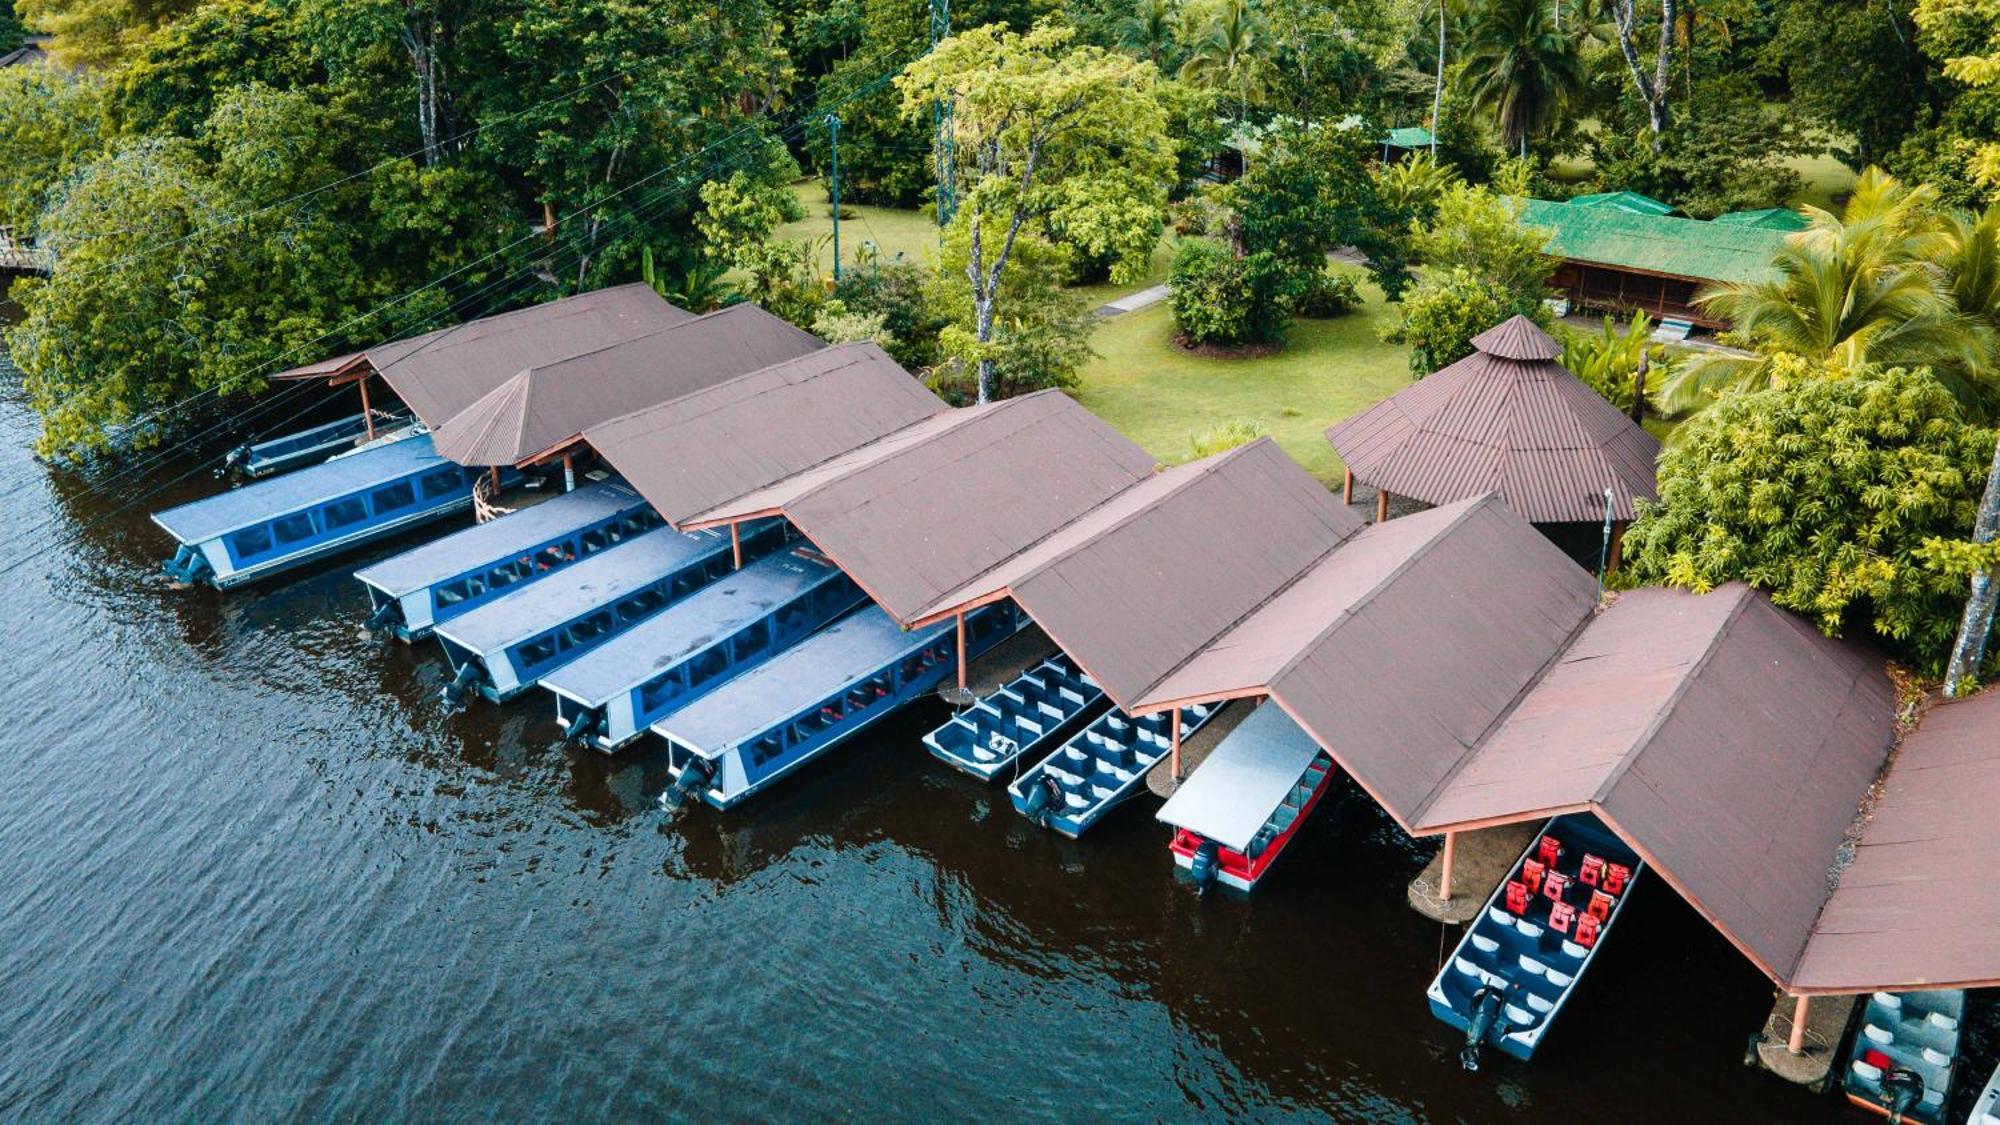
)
(1905, 1088)
(1485, 1009)
(694, 777)
(454, 692)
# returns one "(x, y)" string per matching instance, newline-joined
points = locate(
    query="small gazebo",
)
(1511, 419)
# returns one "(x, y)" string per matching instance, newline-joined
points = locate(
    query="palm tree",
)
(1230, 52)
(1148, 30)
(1519, 67)
(1872, 285)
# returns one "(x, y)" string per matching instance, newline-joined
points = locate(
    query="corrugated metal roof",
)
(1408, 136)
(1769, 218)
(932, 507)
(1137, 586)
(299, 489)
(441, 373)
(1624, 201)
(703, 450)
(1727, 741)
(1919, 905)
(546, 406)
(1243, 780)
(1660, 244)
(1529, 430)
(498, 539)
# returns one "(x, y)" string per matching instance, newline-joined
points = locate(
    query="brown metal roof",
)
(1726, 740)
(1919, 904)
(703, 450)
(1517, 337)
(1140, 584)
(545, 407)
(1525, 428)
(441, 373)
(929, 508)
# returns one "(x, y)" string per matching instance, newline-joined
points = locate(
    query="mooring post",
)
(569, 474)
(367, 415)
(1347, 487)
(1444, 876)
(1797, 1043)
(736, 545)
(1176, 729)
(961, 651)
(1381, 505)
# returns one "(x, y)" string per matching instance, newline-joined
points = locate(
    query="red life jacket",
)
(1553, 885)
(1593, 869)
(1550, 850)
(1560, 916)
(1614, 878)
(1531, 874)
(1586, 930)
(1517, 897)
(1600, 906)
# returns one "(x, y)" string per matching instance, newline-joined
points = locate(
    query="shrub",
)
(1228, 435)
(1824, 492)
(899, 293)
(1329, 293)
(1607, 360)
(1446, 309)
(1221, 299)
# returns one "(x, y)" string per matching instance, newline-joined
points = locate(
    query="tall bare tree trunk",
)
(1437, 92)
(425, 33)
(1970, 651)
(1657, 88)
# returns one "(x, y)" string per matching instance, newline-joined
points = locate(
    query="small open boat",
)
(309, 446)
(1905, 1053)
(1236, 814)
(1510, 976)
(1023, 719)
(1100, 766)
(1986, 1111)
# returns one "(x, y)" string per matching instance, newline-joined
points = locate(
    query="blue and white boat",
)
(1528, 948)
(1022, 720)
(309, 446)
(505, 646)
(610, 696)
(769, 721)
(289, 520)
(411, 593)
(1100, 766)
(1906, 1055)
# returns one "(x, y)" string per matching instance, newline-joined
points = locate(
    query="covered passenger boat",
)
(1236, 814)
(1521, 959)
(1906, 1054)
(411, 593)
(505, 646)
(309, 446)
(1024, 719)
(610, 696)
(796, 706)
(292, 519)
(1100, 766)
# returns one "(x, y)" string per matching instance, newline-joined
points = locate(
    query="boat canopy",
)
(442, 559)
(1249, 773)
(300, 489)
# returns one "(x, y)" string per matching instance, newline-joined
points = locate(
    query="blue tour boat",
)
(306, 447)
(1235, 816)
(1021, 720)
(506, 645)
(1906, 1054)
(411, 593)
(289, 520)
(1522, 957)
(1099, 767)
(769, 721)
(610, 696)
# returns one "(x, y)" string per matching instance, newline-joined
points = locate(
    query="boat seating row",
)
(1100, 766)
(1915, 1032)
(1020, 719)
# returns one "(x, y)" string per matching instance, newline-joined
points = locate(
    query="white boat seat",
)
(1469, 969)
(1572, 949)
(1541, 1005)
(1867, 1071)
(1533, 967)
(1933, 1097)
(1941, 1021)
(1889, 1000)
(1499, 914)
(1936, 1058)
(1560, 980)
(1879, 1035)
(1528, 929)
(1519, 1015)
(1485, 944)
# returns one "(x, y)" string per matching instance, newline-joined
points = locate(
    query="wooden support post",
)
(736, 545)
(1617, 545)
(367, 415)
(1797, 1043)
(1347, 487)
(1381, 505)
(569, 474)
(496, 482)
(1444, 877)
(961, 650)
(1176, 728)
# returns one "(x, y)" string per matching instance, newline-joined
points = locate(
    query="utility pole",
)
(833, 128)
(946, 170)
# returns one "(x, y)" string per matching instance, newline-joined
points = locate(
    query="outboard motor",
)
(454, 692)
(1205, 866)
(694, 777)
(583, 724)
(1042, 799)
(1486, 1005)
(233, 460)
(1904, 1089)
(385, 615)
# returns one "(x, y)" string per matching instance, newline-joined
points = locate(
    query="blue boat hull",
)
(1053, 695)
(1121, 751)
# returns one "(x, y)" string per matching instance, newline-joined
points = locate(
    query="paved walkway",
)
(1132, 302)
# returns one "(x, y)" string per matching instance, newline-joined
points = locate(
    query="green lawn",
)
(1160, 396)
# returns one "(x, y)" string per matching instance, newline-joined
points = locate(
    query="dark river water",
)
(249, 871)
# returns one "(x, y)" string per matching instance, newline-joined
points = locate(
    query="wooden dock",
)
(1480, 860)
(1813, 1065)
(17, 256)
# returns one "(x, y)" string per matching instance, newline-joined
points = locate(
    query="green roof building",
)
(1625, 201)
(1770, 218)
(1617, 260)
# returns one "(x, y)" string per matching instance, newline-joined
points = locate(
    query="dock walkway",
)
(1480, 860)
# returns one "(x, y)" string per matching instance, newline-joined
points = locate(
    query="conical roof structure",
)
(1509, 419)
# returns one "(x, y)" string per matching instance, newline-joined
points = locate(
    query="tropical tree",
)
(49, 127)
(1230, 51)
(98, 33)
(1148, 30)
(1045, 135)
(1520, 68)
(1861, 288)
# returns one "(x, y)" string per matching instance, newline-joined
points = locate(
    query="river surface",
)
(252, 872)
